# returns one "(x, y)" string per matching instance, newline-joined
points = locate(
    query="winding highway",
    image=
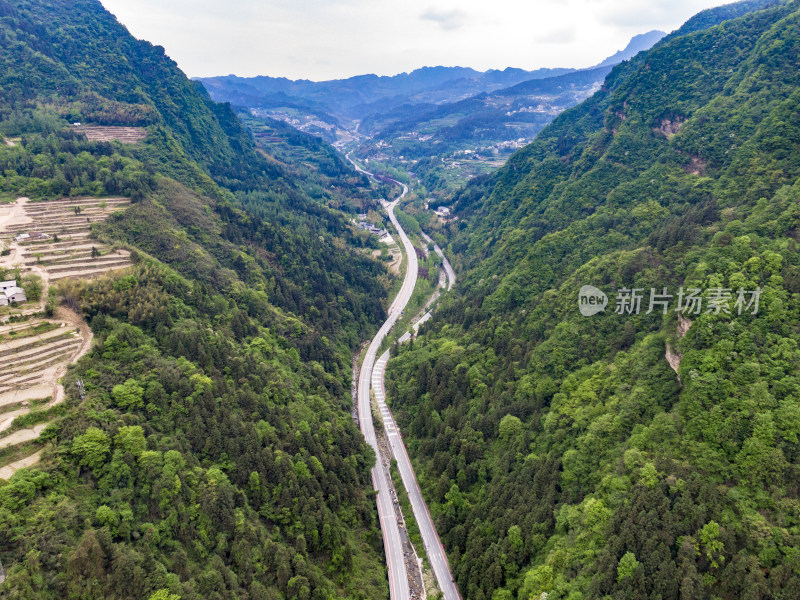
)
(392, 542)
(430, 538)
(371, 376)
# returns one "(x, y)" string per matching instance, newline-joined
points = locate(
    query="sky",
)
(330, 39)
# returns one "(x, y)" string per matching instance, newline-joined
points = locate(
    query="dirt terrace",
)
(108, 133)
(68, 251)
(35, 351)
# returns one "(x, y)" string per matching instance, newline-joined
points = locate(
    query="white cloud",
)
(650, 14)
(446, 19)
(324, 39)
(563, 35)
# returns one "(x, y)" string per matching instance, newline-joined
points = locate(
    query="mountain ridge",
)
(204, 447)
(343, 95)
(639, 42)
(626, 454)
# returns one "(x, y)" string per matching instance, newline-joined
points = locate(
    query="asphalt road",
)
(430, 538)
(372, 372)
(393, 547)
(451, 275)
(433, 546)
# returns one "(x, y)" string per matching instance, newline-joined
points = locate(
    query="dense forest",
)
(209, 452)
(561, 454)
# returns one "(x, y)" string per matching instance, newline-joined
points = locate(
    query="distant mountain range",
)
(446, 124)
(354, 96)
(364, 95)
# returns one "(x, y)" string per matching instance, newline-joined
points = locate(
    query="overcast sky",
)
(327, 39)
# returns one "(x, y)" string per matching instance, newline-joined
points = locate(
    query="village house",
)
(31, 237)
(372, 229)
(10, 292)
(443, 212)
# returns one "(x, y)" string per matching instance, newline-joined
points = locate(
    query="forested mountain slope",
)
(213, 455)
(561, 453)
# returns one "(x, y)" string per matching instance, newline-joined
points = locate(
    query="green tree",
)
(627, 566)
(515, 537)
(164, 594)
(128, 395)
(130, 439)
(91, 448)
(709, 538)
(510, 427)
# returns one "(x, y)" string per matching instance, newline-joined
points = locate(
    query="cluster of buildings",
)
(367, 226)
(301, 122)
(10, 292)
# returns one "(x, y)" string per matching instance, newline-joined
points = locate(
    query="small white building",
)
(16, 294)
(10, 292)
(443, 211)
(31, 237)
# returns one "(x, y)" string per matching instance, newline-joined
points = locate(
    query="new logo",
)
(591, 300)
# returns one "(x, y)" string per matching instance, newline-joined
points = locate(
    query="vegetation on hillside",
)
(561, 454)
(213, 454)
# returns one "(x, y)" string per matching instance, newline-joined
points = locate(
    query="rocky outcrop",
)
(673, 358)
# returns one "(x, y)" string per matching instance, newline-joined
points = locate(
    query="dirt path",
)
(7, 418)
(23, 435)
(14, 214)
(86, 336)
(7, 471)
(71, 317)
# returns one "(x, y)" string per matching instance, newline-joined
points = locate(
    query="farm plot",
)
(104, 133)
(60, 242)
(52, 240)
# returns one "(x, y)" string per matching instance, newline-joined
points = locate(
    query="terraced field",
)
(107, 133)
(68, 251)
(34, 350)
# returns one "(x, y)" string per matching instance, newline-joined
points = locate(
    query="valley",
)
(443, 126)
(371, 390)
(235, 363)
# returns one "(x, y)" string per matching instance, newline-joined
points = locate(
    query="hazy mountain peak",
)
(642, 41)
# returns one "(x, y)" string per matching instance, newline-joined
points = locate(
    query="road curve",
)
(372, 373)
(430, 538)
(448, 269)
(395, 561)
